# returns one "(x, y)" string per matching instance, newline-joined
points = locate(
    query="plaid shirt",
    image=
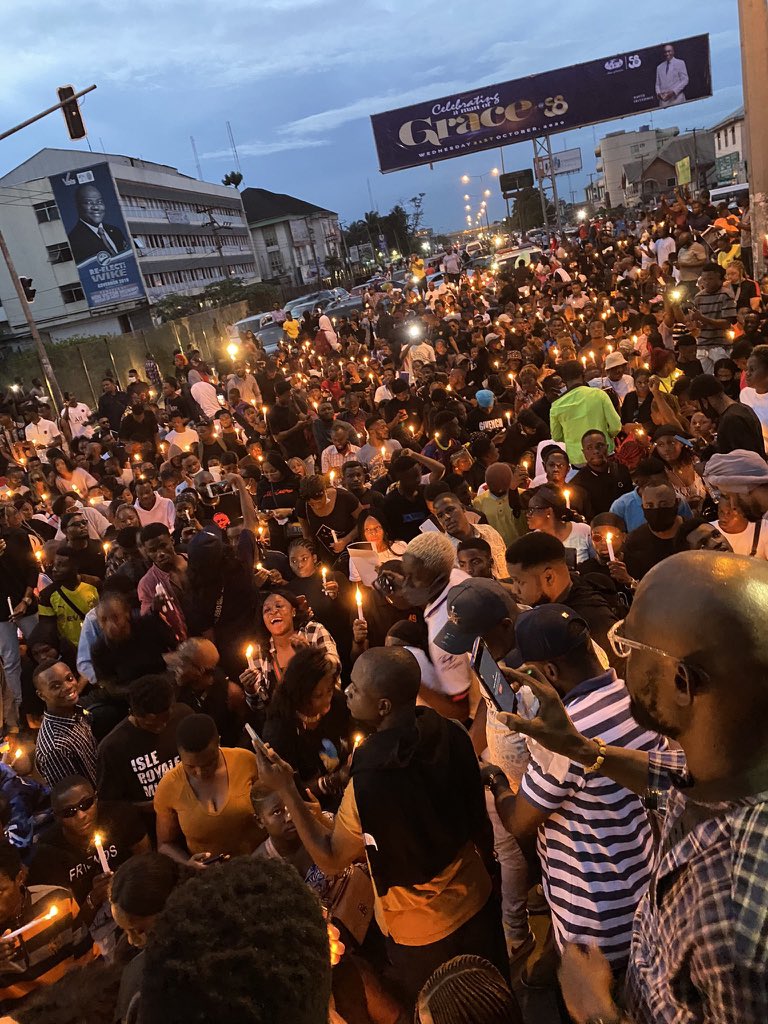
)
(700, 941)
(315, 634)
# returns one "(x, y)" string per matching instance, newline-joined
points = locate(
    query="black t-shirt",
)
(132, 761)
(59, 862)
(370, 500)
(281, 418)
(90, 560)
(644, 549)
(602, 489)
(405, 515)
(341, 520)
(267, 387)
(118, 664)
(312, 752)
(739, 427)
(144, 429)
(488, 421)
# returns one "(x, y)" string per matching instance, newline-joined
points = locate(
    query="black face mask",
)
(661, 519)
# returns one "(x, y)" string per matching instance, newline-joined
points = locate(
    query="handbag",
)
(350, 901)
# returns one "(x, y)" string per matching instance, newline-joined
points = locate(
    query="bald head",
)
(198, 650)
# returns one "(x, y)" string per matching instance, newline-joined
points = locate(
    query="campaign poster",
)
(632, 82)
(97, 234)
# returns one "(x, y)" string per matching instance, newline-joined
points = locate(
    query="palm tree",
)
(234, 178)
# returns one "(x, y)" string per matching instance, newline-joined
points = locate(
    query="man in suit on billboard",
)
(671, 78)
(90, 235)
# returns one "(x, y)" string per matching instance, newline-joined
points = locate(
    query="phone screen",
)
(492, 678)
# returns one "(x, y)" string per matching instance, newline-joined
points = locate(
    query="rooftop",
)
(263, 206)
(737, 115)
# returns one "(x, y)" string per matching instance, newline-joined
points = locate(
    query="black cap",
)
(549, 631)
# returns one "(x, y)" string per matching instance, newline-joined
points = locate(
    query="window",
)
(717, 139)
(671, 182)
(60, 253)
(270, 237)
(276, 262)
(733, 135)
(72, 293)
(46, 211)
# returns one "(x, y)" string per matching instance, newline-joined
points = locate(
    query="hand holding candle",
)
(609, 545)
(52, 912)
(359, 602)
(249, 652)
(98, 842)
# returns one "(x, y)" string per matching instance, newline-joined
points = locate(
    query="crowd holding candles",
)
(262, 631)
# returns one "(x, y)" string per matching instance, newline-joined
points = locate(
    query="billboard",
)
(567, 161)
(552, 101)
(97, 235)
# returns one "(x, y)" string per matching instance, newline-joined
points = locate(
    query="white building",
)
(295, 242)
(730, 149)
(185, 233)
(617, 149)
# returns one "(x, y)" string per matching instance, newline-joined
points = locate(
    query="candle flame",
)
(357, 740)
(358, 596)
(98, 839)
(249, 651)
(52, 912)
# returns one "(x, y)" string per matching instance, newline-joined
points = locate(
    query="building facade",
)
(295, 242)
(184, 233)
(617, 149)
(731, 149)
(645, 181)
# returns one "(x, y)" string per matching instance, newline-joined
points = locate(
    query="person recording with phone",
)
(595, 876)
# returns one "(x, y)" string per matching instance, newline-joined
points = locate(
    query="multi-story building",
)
(295, 242)
(183, 233)
(730, 149)
(617, 149)
(646, 180)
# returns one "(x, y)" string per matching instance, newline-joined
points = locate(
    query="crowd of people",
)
(327, 671)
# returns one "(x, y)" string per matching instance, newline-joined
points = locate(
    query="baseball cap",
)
(549, 631)
(474, 607)
(615, 359)
(484, 398)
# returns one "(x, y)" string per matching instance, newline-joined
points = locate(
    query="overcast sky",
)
(298, 80)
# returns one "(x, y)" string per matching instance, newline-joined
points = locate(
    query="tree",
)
(173, 307)
(417, 213)
(233, 178)
(222, 293)
(526, 211)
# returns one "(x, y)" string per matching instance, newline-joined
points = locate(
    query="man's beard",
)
(647, 714)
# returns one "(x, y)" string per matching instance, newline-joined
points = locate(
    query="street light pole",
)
(45, 362)
(753, 25)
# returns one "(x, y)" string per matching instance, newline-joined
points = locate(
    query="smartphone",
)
(219, 858)
(256, 741)
(217, 488)
(492, 679)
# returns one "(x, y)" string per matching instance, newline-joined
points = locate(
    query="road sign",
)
(514, 181)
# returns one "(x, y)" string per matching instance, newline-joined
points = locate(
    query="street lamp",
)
(581, 215)
(466, 196)
(465, 179)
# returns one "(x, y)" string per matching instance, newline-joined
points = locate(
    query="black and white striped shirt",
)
(596, 845)
(65, 746)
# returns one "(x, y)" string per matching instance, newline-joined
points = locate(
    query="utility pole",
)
(506, 200)
(45, 362)
(753, 26)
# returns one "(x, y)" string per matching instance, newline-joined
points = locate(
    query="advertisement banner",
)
(97, 234)
(553, 101)
(567, 161)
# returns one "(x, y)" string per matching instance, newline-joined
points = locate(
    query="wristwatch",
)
(492, 780)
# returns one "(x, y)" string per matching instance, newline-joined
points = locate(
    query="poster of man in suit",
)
(97, 234)
(671, 78)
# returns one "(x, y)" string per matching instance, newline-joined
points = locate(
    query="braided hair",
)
(468, 990)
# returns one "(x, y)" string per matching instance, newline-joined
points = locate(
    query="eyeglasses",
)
(535, 509)
(85, 805)
(622, 647)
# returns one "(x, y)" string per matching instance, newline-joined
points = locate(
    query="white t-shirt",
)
(163, 511)
(205, 396)
(452, 672)
(759, 405)
(77, 416)
(580, 539)
(41, 434)
(182, 438)
(663, 247)
(383, 394)
(621, 387)
(742, 542)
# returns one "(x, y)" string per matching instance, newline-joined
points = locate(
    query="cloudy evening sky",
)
(297, 79)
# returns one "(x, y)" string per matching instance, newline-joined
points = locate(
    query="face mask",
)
(661, 519)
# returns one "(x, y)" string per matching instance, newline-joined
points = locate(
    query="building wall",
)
(294, 247)
(730, 152)
(186, 233)
(620, 148)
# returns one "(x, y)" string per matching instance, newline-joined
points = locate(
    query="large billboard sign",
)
(97, 235)
(554, 101)
(567, 161)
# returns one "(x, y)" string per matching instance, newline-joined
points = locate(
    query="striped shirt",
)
(699, 950)
(596, 845)
(65, 746)
(720, 306)
(46, 952)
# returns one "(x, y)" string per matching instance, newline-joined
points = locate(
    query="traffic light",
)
(29, 291)
(71, 112)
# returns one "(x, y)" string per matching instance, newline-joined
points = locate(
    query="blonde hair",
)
(435, 551)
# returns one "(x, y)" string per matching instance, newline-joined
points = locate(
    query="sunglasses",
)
(85, 805)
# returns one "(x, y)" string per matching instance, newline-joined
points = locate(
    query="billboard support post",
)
(45, 363)
(542, 158)
(753, 24)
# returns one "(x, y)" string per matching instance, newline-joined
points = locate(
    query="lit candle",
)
(592, 355)
(567, 495)
(39, 555)
(609, 545)
(264, 411)
(584, 362)
(105, 547)
(137, 457)
(32, 924)
(525, 466)
(413, 432)
(359, 602)
(332, 476)
(508, 414)
(98, 842)
(383, 451)
(324, 571)
(259, 566)
(249, 656)
(357, 740)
